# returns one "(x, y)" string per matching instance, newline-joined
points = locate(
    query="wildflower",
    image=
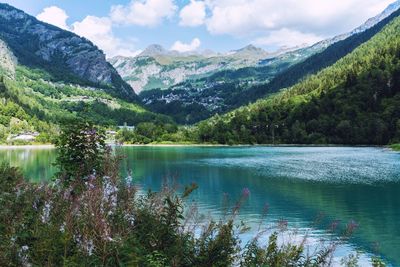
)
(130, 218)
(23, 256)
(90, 247)
(62, 228)
(351, 227)
(46, 212)
(129, 180)
(282, 225)
(246, 192)
(334, 225)
(109, 192)
(35, 205)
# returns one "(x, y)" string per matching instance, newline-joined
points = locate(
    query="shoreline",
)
(249, 145)
(395, 147)
(48, 146)
(51, 146)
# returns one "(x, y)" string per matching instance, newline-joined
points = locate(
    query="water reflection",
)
(360, 184)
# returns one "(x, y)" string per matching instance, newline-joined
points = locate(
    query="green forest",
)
(355, 101)
(33, 103)
(235, 88)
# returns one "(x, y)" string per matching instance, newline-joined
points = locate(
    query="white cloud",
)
(287, 38)
(193, 14)
(182, 47)
(254, 18)
(143, 12)
(54, 15)
(266, 22)
(99, 31)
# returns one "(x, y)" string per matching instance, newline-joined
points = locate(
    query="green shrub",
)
(101, 220)
(81, 147)
(395, 147)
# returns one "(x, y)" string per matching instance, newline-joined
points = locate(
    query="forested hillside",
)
(31, 102)
(48, 75)
(311, 65)
(195, 100)
(355, 101)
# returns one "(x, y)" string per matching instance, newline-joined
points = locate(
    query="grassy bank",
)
(395, 147)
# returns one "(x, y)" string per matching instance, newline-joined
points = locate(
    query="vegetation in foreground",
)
(91, 216)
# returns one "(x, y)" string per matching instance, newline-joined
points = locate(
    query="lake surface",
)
(297, 184)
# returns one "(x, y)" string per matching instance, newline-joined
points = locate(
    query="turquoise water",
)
(297, 184)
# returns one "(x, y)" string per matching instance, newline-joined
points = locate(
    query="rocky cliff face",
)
(362, 28)
(7, 60)
(62, 53)
(158, 68)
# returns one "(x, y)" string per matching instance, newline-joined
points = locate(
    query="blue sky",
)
(124, 27)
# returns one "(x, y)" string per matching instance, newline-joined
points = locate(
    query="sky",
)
(126, 27)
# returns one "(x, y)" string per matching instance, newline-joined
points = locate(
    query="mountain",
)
(354, 101)
(48, 75)
(373, 21)
(228, 89)
(31, 101)
(328, 56)
(249, 51)
(158, 68)
(154, 50)
(8, 61)
(305, 52)
(63, 54)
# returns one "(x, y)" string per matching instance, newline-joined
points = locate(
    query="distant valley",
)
(50, 75)
(194, 86)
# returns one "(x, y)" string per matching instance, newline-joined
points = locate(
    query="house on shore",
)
(126, 127)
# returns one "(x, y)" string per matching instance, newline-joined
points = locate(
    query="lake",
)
(297, 183)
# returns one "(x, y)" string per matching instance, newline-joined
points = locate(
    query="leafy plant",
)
(81, 148)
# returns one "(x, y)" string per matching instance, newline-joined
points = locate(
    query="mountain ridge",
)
(323, 59)
(62, 53)
(192, 101)
(354, 101)
(190, 78)
(157, 67)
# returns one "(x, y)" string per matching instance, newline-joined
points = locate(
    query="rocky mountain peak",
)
(249, 48)
(154, 50)
(373, 21)
(64, 54)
